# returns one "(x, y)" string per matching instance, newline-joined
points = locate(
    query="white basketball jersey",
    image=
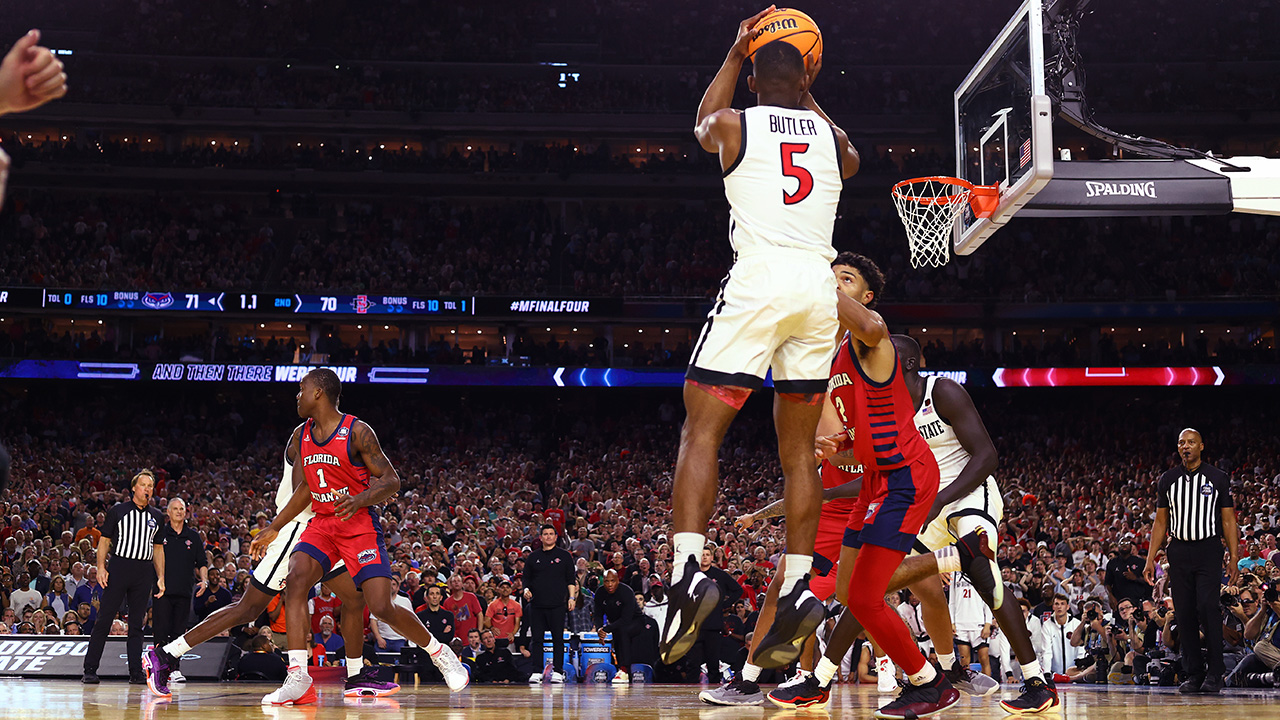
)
(785, 185)
(968, 611)
(285, 492)
(946, 447)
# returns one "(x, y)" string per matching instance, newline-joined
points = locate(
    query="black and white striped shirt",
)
(1195, 499)
(132, 530)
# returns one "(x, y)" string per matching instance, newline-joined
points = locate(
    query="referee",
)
(1194, 506)
(183, 555)
(129, 536)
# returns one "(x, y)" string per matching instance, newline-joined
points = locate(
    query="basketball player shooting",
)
(784, 164)
(342, 477)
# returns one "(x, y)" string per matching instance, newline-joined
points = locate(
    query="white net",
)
(929, 208)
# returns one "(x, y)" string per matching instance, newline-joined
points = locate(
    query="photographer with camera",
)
(1092, 635)
(1260, 668)
(1128, 638)
(1234, 619)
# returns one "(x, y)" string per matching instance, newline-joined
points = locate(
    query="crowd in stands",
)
(601, 248)
(482, 471)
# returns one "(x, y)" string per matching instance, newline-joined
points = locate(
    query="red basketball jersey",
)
(332, 468)
(834, 476)
(880, 417)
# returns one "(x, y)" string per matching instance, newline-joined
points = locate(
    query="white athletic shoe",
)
(296, 690)
(536, 679)
(620, 678)
(886, 683)
(557, 677)
(456, 675)
(176, 677)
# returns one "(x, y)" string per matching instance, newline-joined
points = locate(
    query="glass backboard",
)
(1004, 124)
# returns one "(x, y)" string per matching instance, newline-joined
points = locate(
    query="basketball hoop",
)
(929, 208)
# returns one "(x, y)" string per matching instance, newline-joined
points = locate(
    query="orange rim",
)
(964, 187)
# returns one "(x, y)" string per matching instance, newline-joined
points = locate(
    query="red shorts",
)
(826, 551)
(357, 542)
(893, 506)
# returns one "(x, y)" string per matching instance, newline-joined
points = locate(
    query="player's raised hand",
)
(813, 66)
(30, 75)
(745, 27)
(825, 446)
(258, 547)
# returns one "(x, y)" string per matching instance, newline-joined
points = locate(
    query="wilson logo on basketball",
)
(776, 26)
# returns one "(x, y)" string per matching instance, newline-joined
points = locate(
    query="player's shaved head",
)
(908, 352)
(328, 382)
(778, 66)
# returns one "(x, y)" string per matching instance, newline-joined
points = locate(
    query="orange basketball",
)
(791, 25)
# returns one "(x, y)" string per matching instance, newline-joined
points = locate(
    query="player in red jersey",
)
(869, 402)
(343, 476)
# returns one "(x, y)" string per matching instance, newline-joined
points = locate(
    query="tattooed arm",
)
(384, 481)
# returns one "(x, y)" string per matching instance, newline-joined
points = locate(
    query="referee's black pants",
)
(543, 620)
(169, 617)
(132, 579)
(1195, 583)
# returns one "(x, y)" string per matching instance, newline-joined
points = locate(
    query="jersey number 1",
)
(790, 169)
(322, 484)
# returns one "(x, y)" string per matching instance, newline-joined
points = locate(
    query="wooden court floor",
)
(66, 699)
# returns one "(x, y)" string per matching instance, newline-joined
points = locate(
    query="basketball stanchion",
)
(929, 208)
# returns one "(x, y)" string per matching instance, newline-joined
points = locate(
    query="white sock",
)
(825, 671)
(947, 661)
(177, 648)
(298, 659)
(795, 568)
(926, 675)
(685, 545)
(434, 647)
(948, 559)
(354, 666)
(1031, 669)
(750, 672)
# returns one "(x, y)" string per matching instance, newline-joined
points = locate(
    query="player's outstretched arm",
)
(956, 407)
(861, 321)
(712, 124)
(384, 481)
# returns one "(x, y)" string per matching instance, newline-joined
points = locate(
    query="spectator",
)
(464, 606)
(438, 620)
(23, 596)
(57, 600)
(494, 664)
(329, 640)
(504, 613)
(1058, 640)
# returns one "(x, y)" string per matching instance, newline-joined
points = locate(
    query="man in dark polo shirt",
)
(1124, 575)
(183, 557)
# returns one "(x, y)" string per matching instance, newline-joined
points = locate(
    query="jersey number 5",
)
(790, 169)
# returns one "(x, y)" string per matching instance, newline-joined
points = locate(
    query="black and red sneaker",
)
(805, 694)
(1036, 697)
(921, 701)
